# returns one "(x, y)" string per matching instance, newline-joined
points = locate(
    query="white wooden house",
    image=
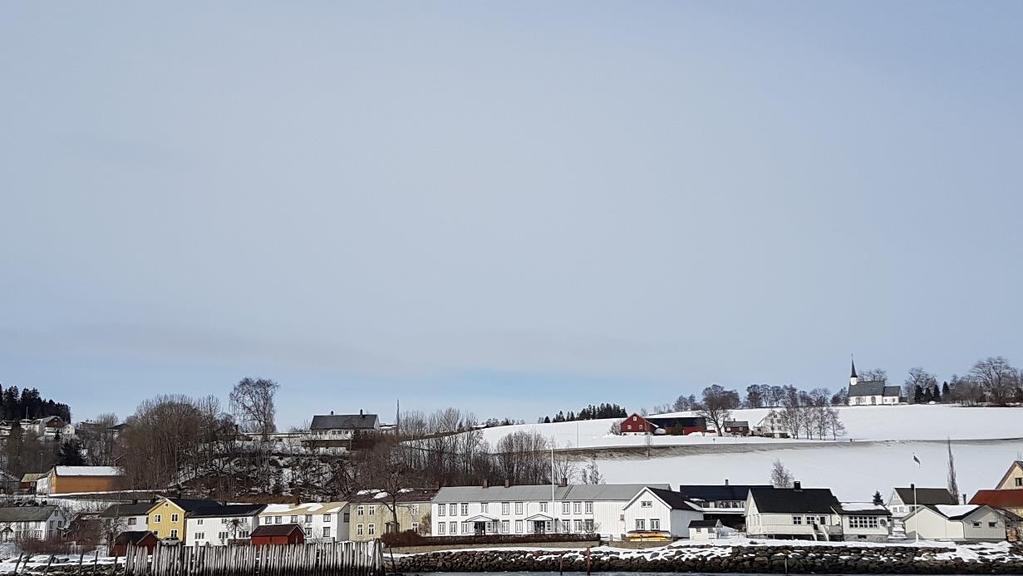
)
(533, 509)
(321, 521)
(904, 500)
(813, 514)
(709, 530)
(221, 525)
(660, 510)
(960, 523)
(31, 522)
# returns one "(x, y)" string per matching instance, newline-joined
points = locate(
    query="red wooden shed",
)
(277, 534)
(137, 538)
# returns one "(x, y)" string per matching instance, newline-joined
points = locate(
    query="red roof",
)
(999, 498)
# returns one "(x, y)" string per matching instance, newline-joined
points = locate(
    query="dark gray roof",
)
(228, 511)
(344, 422)
(677, 421)
(541, 492)
(873, 389)
(119, 510)
(927, 496)
(801, 500)
(673, 499)
(739, 423)
(132, 537)
(26, 513)
(717, 492)
(703, 523)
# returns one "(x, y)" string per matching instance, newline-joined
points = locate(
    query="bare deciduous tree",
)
(252, 402)
(917, 377)
(717, 406)
(997, 378)
(780, 475)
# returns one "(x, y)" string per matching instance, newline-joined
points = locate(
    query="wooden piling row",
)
(321, 559)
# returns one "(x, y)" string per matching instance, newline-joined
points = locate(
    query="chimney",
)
(797, 485)
(331, 412)
(486, 483)
(507, 483)
(964, 498)
(912, 486)
(360, 412)
(564, 482)
(726, 481)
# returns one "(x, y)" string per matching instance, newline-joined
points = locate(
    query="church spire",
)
(853, 362)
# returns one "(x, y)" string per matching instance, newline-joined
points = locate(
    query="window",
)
(518, 507)
(797, 520)
(505, 508)
(565, 526)
(174, 517)
(358, 529)
(577, 507)
(360, 510)
(578, 525)
(326, 531)
(309, 518)
(277, 519)
(646, 503)
(1019, 481)
(441, 509)
(371, 529)
(976, 524)
(640, 524)
(655, 523)
(222, 536)
(483, 507)
(346, 517)
(326, 518)
(467, 528)
(588, 524)
(200, 535)
(372, 510)
(308, 531)
(518, 526)
(413, 509)
(440, 528)
(415, 527)
(453, 509)
(565, 507)
(465, 508)
(131, 521)
(453, 528)
(992, 524)
(174, 533)
(589, 507)
(294, 519)
(863, 522)
(157, 518)
(543, 507)
(505, 526)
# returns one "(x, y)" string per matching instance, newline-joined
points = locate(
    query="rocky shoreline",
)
(798, 559)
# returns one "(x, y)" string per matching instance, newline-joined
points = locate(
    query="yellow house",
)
(1013, 479)
(371, 515)
(166, 518)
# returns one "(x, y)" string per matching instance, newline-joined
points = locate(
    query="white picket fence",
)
(329, 559)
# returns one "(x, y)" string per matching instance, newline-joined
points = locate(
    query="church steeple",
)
(853, 378)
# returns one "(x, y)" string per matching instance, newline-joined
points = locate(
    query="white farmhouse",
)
(905, 500)
(31, 522)
(865, 521)
(960, 523)
(343, 426)
(813, 514)
(709, 530)
(533, 509)
(660, 510)
(132, 517)
(220, 525)
(321, 521)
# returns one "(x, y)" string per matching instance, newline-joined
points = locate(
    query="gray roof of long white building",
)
(873, 389)
(540, 492)
(26, 513)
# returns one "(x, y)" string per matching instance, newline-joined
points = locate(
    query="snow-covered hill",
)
(862, 423)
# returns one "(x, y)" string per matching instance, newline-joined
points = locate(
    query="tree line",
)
(28, 403)
(590, 412)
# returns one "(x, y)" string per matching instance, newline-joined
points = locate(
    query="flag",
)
(915, 459)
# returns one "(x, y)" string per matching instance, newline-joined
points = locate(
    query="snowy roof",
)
(404, 495)
(864, 508)
(873, 389)
(541, 492)
(304, 508)
(26, 513)
(955, 512)
(87, 471)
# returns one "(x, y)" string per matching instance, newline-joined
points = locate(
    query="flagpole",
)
(915, 478)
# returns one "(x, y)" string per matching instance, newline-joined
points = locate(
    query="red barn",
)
(670, 425)
(137, 538)
(277, 534)
(636, 424)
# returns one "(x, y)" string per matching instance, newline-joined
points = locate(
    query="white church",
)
(872, 393)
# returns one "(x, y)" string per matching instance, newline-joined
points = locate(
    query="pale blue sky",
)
(510, 207)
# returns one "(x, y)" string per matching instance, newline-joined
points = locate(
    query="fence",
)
(333, 559)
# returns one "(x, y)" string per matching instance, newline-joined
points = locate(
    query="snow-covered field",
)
(875, 454)
(935, 422)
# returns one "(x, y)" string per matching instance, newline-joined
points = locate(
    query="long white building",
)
(321, 521)
(533, 509)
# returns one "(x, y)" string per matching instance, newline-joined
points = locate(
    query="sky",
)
(513, 208)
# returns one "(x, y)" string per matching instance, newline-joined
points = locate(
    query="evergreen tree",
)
(878, 501)
(936, 394)
(70, 453)
(946, 393)
(918, 395)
